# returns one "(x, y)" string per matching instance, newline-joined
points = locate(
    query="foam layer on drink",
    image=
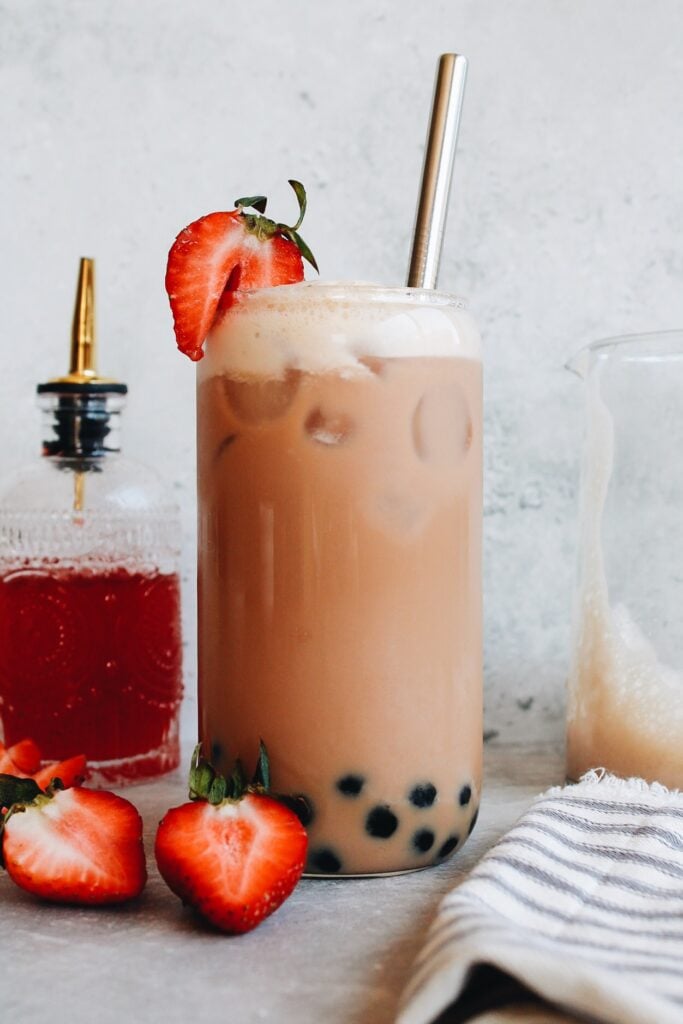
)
(320, 328)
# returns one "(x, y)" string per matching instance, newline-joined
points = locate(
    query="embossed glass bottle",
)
(90, 638)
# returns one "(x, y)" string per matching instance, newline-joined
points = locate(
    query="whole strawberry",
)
(71, 845)
(233, 853)
(222, 252)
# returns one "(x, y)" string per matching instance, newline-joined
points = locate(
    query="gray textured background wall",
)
(120, 121)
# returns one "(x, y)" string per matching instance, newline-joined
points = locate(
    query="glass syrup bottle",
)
(90, 637)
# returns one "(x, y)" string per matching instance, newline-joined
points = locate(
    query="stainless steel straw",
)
(437, 171)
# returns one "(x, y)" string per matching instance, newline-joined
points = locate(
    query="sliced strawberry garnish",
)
(234, 858)
(221, 252)
(72, 845)
(23, 758)
(71, 772)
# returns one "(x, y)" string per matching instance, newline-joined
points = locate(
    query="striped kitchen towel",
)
(578, 909)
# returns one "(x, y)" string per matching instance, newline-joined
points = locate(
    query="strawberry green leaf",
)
(303, 248)
(300, 193)
(255, 202)
(262, 774)
(217, 790)
(55, 785)
(238, 783)
(15, 793)
(201, 775)
(265, 228)
(16, 790)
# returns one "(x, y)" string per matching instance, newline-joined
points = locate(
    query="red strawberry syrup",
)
(91, 662)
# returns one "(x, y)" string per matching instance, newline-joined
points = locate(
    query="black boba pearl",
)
(326, 860)
(350, 785)
(423, 840)
(465, 796)
(381, 822)
(422, 795)
(216, 752)
(473, 822)
(448, 847)
(301, 804)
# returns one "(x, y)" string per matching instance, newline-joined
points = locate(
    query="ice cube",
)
(442, 425)
(328, 427)
(262, 398)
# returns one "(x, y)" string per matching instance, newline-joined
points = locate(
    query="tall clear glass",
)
(339, 452)
(625, 708)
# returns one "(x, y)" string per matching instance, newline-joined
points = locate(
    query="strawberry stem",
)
(15, 795)
(205, 783)
(265, 228)
(16, 790)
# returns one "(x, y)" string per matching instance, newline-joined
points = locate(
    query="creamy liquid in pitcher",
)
(625, 710)
(339, 446)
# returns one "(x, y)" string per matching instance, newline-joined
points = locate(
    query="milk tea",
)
(339, 476)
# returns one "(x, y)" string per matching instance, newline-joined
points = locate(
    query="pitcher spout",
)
(580, 363)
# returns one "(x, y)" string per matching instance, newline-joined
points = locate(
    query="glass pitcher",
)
(625, 700)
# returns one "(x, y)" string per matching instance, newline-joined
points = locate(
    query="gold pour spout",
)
(83, 361)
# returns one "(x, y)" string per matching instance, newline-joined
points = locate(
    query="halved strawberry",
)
(72, 845)
(71, 772)
(222, 252)
(23, 758)
(234, 853)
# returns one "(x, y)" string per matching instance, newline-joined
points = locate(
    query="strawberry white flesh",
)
(235, 862)
(79, 846)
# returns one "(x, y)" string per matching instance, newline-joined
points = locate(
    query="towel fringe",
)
(605, 780)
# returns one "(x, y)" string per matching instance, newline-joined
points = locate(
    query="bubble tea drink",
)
(339, 448)
(339, 501)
